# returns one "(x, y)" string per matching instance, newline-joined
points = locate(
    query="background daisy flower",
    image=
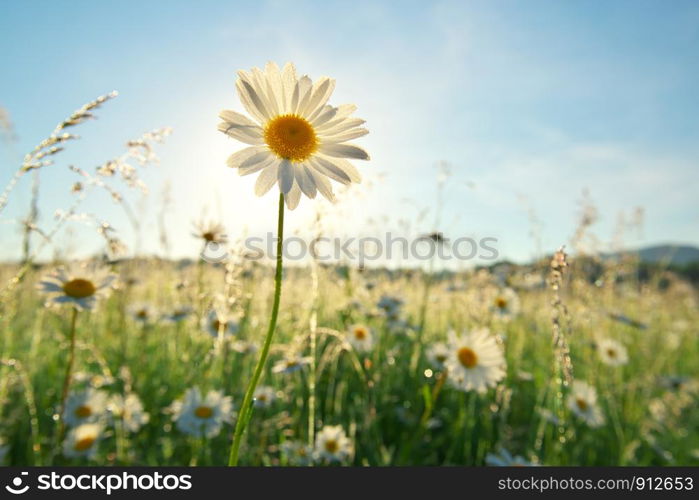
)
(130, 410)
(179, 313)
(296, 139)
(332, 444)
(582, 401)
(475, 361)
(264, 396)
(505, 304)
(360, 337)
(210, 232)
(78, 285)
(217, 322)
(82, 441)
(437, 354)
(202, 416)
(612, 353)
(297, 453)
(85, 406)
(143, 313)
(290, 364)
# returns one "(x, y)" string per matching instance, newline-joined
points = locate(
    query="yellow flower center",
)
(209, 236)
(467, 357)
(501, 303)
(331, 446)
(291, 137)
(79, 288)
(360, 333)
(203, 412)
(611, 353)
(582, 404)
(83, 411)
(84, 443)
(142, 314)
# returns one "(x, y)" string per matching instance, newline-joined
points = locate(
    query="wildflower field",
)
(119, 348)
(143, 370)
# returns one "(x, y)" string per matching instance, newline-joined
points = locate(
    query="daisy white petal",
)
(266, 92)
(285, 176)
(305, 181)
(305, 90)
(322, 183)
(320, 95)
(288, 84)
(266, 179)
(236, 159)
(325, 116)
(293, 197)
(274, 80)
(249, 133)
(329, 169)
(338, 125)
(347, 135)
(252, 101)
(344, 151)
(346, 167)
(260, 156)
(256, 167)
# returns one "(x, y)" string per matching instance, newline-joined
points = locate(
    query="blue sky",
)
(532, 101)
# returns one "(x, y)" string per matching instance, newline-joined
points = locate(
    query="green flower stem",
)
(246, 407)
(67, 378)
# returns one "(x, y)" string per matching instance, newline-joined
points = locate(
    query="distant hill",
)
(676, 255)
(673, 255)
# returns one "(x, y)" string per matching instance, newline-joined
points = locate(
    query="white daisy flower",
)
(505, 304)
(85, 406)
(82, 441)
(79, 286)
(297, 453)
(504, 459)
(179, 313)
(582, 401)
(130, 410)
(612, 353)
(199, 415)
(143, 313)
(437, 354)
(476, 361)
(360, 337)
(264, 397)
(210, 232)
(332, 444)
(244, 347)
(217, 323)
(291, 364)
(296, 139)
